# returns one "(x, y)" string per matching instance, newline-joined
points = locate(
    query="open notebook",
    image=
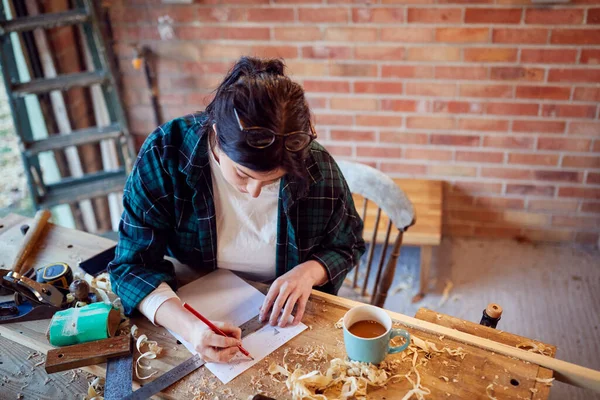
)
(223, 296)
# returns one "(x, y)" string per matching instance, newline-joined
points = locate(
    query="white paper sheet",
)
(223, 296)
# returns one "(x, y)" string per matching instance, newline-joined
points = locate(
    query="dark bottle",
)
(491, 315)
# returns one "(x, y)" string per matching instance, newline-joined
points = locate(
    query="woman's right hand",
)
(213, 347)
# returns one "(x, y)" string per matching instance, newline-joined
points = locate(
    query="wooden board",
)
(321, 314)
(426, 197)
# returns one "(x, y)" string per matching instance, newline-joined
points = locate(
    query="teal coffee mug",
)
(371, 350)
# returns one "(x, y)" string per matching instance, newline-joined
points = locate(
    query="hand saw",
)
(119, 376)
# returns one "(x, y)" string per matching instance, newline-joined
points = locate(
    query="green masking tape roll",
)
(84, 324)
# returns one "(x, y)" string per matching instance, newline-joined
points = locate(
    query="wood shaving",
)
(489, 390)
(339, 324)
(96, 389)
(547, 381)
(535, 348)
(153, 351)
(39, 363)
(533, 390)
(312, 353)
(446, 293)
(454, 380)
(445, 378)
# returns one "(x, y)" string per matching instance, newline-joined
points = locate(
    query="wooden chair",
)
(375, 186)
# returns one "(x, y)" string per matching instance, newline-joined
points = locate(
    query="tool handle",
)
(31, 238)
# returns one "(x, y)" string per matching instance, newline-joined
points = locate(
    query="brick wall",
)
(499, 98)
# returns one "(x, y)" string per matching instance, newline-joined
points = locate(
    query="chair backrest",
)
(375, 186)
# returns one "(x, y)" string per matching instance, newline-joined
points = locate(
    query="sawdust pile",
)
(345, 379)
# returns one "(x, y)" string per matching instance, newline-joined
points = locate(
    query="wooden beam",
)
(566, 372)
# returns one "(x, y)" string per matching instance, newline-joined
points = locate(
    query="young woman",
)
(242, 186)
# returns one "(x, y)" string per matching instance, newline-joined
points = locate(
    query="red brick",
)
(533, 159)
(274, 51)
(407, 71)
(327, 52)
(575, 36)
(531, 190)
(323, 14)
(593, 178)
(579, 192)
(499, 202)
(377, 152)
(451, 170)
(590, 207)
(433, 54)
(512, 109)
(198, 67)
(345, 69)
(539, 126)
(462, 35)
(589, 56)
(563, 144)
(278, 15)
(586, 94)
(555, 16)
(378, 87)
(428, 122)
(568, 110)
(354, 136)
(430, 89)
(549, 56)
(471, 90)
(593, 17)
(577, 222)
(304, 33)
(212, 14)
(574, 75)
(508, 142)
(306, 68)
(334, 119)
(560, 176)
(517, 73)
(584, 128)
(353, 103)
(520, 36)
(461, 73)
(403, 168)
(316, 102)
(399, 105)
(244, 33)
(481, 124)
(581, 161)
(455, 140)
(457, 107)
(379, 53)
(493, 15)
(378, 120)
(587, 238)
(596, 147)
(407, 35)
(403, 138)
(434, 15)
(298, 1)
(327, 86)
(481, 54)
(378, 15)
(544, 92)
(210, 51)
(480, 156)
(553, 205)
(337, 150)
(427, 154)
(350, 34)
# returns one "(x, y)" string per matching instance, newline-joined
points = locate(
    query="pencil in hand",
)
(214, 328)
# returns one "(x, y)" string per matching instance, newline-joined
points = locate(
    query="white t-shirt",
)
(246, 235)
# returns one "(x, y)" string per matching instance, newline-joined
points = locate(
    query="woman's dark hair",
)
(263, 96)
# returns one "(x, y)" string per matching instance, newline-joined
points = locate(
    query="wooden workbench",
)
(468, 377)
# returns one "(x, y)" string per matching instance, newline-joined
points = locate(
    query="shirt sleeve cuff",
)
(150, 304)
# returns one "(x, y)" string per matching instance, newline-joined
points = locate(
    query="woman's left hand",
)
(292, 289)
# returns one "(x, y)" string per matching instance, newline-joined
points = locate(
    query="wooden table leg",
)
(424, 273)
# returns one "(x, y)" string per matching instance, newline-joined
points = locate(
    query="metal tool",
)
(57, 274)
(119, 379)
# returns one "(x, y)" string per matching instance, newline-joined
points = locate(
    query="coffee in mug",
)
(367, 329)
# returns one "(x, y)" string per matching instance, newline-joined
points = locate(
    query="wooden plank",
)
(90, 186)
(427, 198)
(84, 354)
(75, 138)
(45, 21)
(322, 312)
(61, 82)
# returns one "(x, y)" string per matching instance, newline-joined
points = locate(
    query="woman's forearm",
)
(175, 318)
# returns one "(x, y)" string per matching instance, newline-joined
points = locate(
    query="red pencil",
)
(213, 327)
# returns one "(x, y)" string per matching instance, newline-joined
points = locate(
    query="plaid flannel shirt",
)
(169, 210)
